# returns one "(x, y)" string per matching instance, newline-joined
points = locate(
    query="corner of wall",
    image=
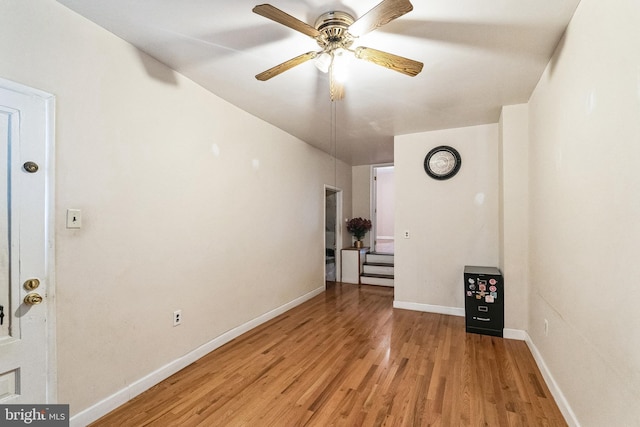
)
(514, 213)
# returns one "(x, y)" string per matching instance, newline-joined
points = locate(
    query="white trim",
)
(373, 200)
(338, 231)
(515, 334)
(117, 399)
(561, 400)
(50, 218)
(428, 308)
(48, 134)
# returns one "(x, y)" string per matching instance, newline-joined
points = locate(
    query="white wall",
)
(585, 210)
(180, 191)
(361, 190)
(514, 213)
(385, 209)
(452, 223)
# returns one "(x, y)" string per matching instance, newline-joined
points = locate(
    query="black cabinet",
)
(484, 300)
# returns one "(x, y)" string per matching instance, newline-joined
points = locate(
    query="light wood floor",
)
(348, 358)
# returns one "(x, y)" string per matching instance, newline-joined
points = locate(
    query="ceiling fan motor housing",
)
(333, 28)
(335, 32)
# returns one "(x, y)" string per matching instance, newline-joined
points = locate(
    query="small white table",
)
(352, 261)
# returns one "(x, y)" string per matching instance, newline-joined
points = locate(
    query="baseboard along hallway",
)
(347, 357)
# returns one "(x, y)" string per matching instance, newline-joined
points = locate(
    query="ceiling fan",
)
(335, 33)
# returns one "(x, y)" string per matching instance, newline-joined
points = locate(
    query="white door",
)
(333, 230)
(25, 246)
(330, 227)
(383, 209)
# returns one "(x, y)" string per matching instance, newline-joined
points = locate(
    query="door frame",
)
(374, 202)
(43, 144)
(338, 231)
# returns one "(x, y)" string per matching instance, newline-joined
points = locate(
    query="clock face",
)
(442, 162)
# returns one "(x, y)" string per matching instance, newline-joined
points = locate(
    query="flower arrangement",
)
(358, 227)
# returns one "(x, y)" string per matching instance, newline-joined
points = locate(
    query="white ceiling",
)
(478, 55)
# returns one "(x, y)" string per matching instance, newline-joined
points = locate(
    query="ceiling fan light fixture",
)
(323, 62)
(335, 32)
(339, 67)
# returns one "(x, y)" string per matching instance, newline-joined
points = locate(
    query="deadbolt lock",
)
(30, 167)
(33, 299)
(31, 284)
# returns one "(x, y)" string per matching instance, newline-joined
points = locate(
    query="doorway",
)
(27, 342)
(383, 209)
(332, 233)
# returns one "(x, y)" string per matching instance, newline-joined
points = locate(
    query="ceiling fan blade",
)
(393, 62)
(385, 12)
(336, 88)
(283, 18)
(281, 68)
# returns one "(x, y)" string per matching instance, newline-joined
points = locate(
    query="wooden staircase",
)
(377, 269)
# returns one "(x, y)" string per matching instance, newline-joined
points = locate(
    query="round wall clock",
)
(442, 162)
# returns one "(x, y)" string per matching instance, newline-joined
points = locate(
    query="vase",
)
(357, 244)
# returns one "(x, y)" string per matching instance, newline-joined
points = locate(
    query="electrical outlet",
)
(406, 234)
(177, 317)
(546, 327)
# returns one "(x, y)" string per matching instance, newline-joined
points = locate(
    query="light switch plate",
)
(74, 218)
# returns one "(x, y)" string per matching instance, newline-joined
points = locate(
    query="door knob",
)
(33, 299)
(31, 284)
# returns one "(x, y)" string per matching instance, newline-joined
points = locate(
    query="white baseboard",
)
(561, 401)
(515, 334)
(428, 308)
(121, 397)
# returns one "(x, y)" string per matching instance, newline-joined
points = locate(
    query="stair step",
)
(374, 257)
(377, 279)
(379, 276)
(378, 268)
